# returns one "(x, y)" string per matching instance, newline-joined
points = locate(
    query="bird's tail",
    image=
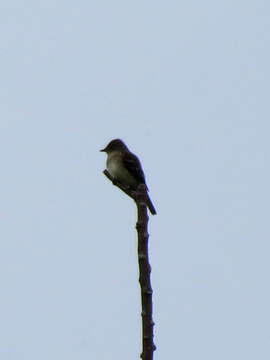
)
(150, 205)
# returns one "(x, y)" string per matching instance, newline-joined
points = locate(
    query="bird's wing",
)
(133, 165)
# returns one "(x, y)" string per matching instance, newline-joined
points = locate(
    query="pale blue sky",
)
(186, 86)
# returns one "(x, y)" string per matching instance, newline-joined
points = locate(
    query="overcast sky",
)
(186, 86)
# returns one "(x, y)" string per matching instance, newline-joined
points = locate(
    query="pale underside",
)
(117, 169)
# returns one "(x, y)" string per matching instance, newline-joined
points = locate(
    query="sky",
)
(186, 86)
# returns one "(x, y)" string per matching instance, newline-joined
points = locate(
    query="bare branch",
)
(140, 197)
(144, 277)
(122, 187)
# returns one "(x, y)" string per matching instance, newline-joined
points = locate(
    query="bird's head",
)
(115, 145)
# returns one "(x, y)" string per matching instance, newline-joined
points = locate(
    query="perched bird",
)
(126, 168)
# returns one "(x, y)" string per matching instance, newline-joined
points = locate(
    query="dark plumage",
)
(125, 167)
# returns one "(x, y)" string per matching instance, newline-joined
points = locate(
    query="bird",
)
(125, 167)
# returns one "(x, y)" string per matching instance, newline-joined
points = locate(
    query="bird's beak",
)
(102, 150)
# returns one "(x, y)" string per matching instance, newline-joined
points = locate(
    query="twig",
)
(144, 277)
(122, 187)
(139, 196)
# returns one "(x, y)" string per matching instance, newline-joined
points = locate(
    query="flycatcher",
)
(126, 168)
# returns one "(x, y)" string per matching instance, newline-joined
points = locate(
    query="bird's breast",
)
(113, 166)
(117, 169)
